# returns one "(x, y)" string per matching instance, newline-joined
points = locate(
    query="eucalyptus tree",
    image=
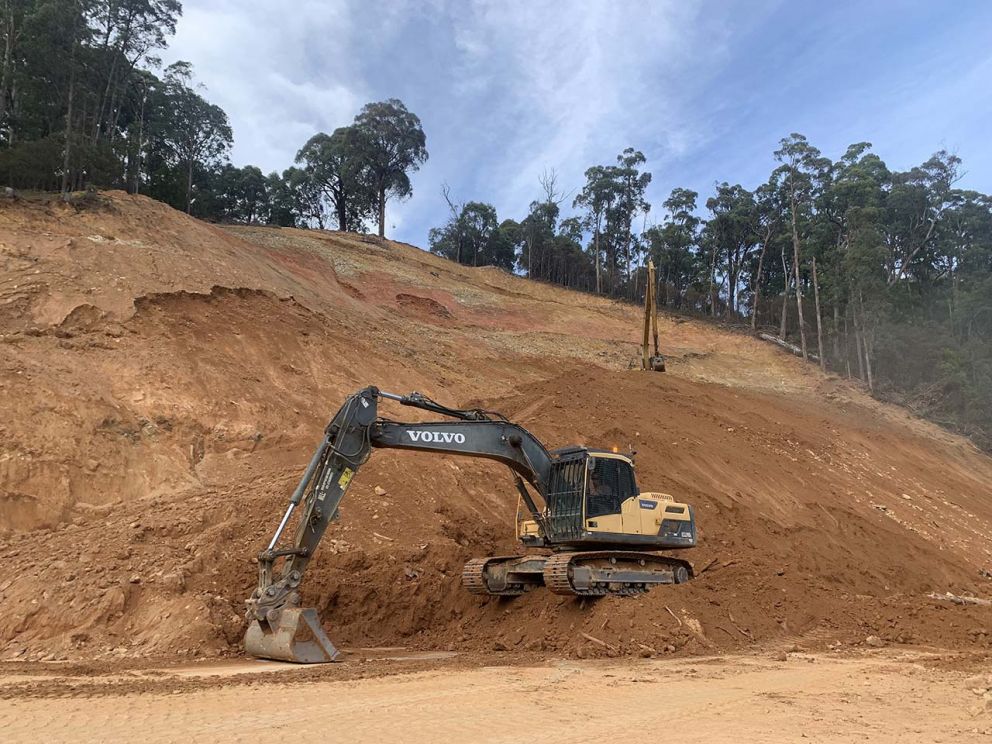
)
(730, 232)
(631, 183)
(673, 246)
(198, 133)
(304, 197)
(393, 145)
(474, 236)
(125, 33)
(766, 224)
(917, 202)
(802, 167)
(596, 198)
(338, 166)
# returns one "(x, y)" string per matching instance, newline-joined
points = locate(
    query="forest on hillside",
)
(879, 275)
(85, 102)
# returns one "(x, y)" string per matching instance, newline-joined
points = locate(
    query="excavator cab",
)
(593, 501)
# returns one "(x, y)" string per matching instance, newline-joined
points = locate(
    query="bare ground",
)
(163, 382)
(880, 697)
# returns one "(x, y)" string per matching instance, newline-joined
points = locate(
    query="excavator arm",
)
(278, 627)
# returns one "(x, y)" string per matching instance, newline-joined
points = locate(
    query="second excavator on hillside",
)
(600, 533)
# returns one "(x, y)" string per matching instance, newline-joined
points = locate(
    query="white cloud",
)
(507, 88)
(555, 85)
(580, 83)
(281, 75)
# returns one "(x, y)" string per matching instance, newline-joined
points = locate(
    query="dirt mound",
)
(155, 425)
(423, 306)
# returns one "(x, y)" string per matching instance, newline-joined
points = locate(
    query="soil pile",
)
(164, 382)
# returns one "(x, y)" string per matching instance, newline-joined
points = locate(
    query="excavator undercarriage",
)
(597, 533)
(580, 574)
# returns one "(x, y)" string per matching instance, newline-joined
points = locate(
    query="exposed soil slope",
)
(163, 383)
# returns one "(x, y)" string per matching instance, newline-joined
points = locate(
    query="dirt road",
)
(882, 697)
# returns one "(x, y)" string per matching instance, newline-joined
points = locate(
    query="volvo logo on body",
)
(437, 437)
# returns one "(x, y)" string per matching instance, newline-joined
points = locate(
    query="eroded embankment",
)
(154, 426)
(816, 524)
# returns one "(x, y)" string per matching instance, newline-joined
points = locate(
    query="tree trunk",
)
(596, 249)
(67, 149)
(819, 322)
(866, 343)
(799, 289)
(382, 212)
(8, 51)
(713, 282)
(857, 344)
(108, 100)
(189, 186)
(104, 99)
(785, 297)
(952, 309)
(611, 261)
(732, 292)
(836, 338)
(112, 115)
(847, 346)
(757, 284)
(15, 102)
(141, 143)
(627, 248)
(871, 378)
(341, 206)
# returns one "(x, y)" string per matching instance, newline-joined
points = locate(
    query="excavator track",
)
(608, 572)
(502, 576)
(474, 576)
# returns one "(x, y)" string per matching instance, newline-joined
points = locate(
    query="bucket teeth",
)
(294, 636)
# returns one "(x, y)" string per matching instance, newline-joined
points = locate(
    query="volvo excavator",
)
(591, 531)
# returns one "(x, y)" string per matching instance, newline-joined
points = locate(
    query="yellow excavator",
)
(597, 533)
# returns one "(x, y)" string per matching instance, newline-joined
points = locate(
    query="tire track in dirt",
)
(885, 699)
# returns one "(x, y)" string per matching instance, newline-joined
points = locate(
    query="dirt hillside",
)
(164, 381)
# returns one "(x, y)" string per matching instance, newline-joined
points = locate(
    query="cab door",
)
(627, 496)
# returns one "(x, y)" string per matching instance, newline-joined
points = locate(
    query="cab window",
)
(609, 482)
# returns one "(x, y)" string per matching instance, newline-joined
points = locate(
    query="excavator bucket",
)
(294, 636)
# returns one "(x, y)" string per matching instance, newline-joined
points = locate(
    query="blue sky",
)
(506, 90)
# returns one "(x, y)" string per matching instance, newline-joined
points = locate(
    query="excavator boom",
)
(278, 627)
